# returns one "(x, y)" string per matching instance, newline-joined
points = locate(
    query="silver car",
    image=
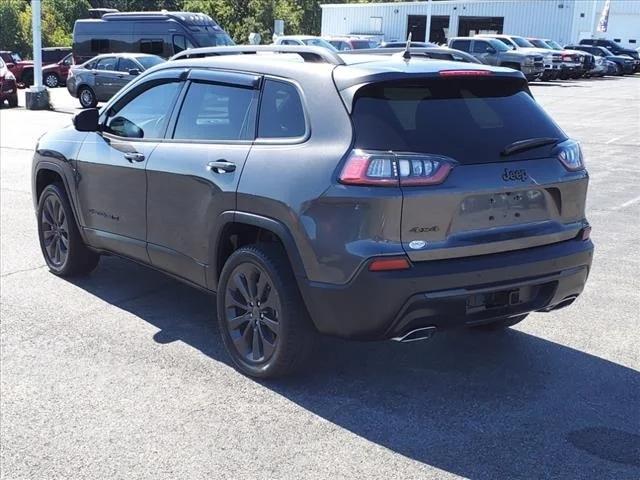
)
(98, 79)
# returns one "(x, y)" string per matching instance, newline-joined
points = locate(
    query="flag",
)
(603, 23)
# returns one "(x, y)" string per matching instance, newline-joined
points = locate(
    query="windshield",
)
(540, 44)
(606, 51)
(522, 42)
(1, 63)
(212, 39)
(318, 42)
(150, 61)
(554, 45)
(499, 46)
(470, 120)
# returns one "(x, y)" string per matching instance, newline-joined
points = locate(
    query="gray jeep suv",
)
(367, 197)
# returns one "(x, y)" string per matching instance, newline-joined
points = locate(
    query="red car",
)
(8, 87)
(53, 75)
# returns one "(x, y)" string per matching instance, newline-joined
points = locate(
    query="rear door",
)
(105, 74)
(193, 175)
(462, 195)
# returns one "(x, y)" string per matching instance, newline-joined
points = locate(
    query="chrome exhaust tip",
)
(416, 335)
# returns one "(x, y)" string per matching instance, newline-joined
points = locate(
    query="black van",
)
(54, 54)
(159, 33)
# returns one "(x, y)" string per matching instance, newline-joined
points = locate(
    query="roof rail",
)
(308, 54)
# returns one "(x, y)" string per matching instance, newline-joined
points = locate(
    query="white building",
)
(565, 21)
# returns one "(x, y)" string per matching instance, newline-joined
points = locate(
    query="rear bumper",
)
(450, 293)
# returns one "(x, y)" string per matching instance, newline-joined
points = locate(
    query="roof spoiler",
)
(308, 54)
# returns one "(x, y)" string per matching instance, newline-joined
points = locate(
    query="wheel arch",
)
(234, 223)
(45, 173)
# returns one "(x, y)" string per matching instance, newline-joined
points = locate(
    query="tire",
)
(619, 71)
(51, 80)
(62, 247)
(87, 97)
(13, 101)
(500, 324)
(264, 324)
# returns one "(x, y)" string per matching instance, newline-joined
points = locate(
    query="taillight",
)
(570, 154)
(465, 73)
(394, 169)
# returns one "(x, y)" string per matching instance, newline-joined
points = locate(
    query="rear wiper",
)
(528, 144)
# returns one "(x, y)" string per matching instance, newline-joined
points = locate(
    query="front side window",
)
(180, 43)
(480, 47)
(127, 64)
(68, 60)
(146, 115)
(108, 63)
(217, 112)
(281, 112)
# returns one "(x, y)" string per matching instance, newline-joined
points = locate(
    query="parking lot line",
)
(628, 204)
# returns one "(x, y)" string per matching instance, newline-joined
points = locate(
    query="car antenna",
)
(407, 50)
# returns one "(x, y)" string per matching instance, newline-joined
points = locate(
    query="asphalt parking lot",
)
(123, 374)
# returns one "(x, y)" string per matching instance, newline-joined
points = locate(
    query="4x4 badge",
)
(520, 174)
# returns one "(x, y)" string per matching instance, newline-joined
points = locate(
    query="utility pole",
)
(37, 97)
(428, 33)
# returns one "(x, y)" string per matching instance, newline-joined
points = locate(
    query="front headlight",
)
(529, 61)
(9, 76)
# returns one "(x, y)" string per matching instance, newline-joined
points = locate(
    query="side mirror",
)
(124, 127)
(86, 120)
(491, 50)
(134, 71)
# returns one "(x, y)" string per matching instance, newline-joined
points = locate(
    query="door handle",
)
(134, 157)
(221, 166)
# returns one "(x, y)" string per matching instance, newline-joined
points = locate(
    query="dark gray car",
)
(101, 77)
(410, 197)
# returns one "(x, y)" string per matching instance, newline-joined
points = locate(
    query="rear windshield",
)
(470, 120)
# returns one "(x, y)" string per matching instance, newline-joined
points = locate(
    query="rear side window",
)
(464, 45)
(217, 112)
(154, 47)
(281, 112)
(470, 120)
(100, 45)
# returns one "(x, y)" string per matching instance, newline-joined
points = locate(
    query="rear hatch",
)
(468, 186)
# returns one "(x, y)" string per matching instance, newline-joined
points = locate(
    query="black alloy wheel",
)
(60, 241)
(263, 321)
(55, 231)
(252, 313)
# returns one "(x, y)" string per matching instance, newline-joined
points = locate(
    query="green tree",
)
(11, 35)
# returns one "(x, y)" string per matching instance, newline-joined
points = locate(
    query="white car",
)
(307, 40)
